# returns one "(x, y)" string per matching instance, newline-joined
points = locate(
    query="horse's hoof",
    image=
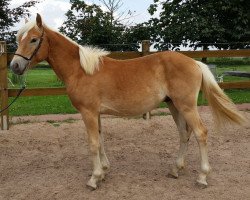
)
(202, 180)
(173, 174)
(201, 183)
(91, 185)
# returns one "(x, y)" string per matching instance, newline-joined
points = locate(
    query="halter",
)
(34, 52)
(28, 59)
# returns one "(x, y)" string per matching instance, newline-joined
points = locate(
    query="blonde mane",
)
(90, 57)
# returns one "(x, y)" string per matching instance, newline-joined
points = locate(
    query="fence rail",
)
(7, 92)
(192, 54)
(37, 92)
(62, 91)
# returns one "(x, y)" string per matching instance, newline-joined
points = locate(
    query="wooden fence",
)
(6, 92)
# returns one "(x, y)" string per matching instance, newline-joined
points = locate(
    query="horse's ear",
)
(39, 22)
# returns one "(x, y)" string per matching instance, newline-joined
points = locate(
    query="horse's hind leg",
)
(184, 132)
(104, 160)
(91, 122)
(191, 115)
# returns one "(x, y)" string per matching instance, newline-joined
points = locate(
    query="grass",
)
(222, 68)
(239, 96)
(41, 105)
(40, 78)
(45, 77)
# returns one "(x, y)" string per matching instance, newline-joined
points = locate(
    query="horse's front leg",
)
(90, 119)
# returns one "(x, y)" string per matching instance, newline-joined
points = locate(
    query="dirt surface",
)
(47, 160)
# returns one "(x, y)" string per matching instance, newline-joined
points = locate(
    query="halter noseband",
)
(34, 52)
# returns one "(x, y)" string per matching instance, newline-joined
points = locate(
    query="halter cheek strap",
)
(34, 52)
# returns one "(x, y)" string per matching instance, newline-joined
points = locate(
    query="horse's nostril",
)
(15, 66)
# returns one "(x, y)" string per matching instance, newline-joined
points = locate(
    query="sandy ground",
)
(47, 160)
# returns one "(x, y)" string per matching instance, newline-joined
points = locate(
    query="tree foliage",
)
(198, 23)
(8, 17)
(91, 25)
(133, 35)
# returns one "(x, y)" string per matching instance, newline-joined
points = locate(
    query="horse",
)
(97, 84)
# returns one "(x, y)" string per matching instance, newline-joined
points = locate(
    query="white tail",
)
(223, 108)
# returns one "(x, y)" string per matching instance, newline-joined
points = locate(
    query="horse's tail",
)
(223, 108)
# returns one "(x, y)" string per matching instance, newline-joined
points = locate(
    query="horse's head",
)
(32, 46)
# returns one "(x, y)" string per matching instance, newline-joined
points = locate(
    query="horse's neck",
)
(63, 56)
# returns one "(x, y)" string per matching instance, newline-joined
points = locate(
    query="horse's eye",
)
(33, 40)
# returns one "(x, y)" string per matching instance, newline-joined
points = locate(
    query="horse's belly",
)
(125, 111)
(133, 104)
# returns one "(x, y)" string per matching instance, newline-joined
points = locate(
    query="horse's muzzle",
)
(18, 66)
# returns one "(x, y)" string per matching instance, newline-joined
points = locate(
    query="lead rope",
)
(23, 87)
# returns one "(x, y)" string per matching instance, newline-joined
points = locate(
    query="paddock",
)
(48, 159)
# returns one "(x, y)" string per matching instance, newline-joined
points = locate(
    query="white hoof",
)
(202, 180)
(173, 173)
(92, 184)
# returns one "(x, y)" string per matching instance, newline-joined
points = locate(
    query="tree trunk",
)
(204, 60)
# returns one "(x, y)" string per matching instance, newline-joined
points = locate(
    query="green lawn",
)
(39, 78)
(45, 77)
(41, 105)
(222, 68)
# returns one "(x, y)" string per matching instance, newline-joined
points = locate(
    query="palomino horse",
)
(97, 84)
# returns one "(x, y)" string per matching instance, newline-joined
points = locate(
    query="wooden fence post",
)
(145, 51)
(4, 86)
(145, 47)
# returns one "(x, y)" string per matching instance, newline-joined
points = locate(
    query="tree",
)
(197, 23)
(89, 24)
(133, 36)
(117, 17)
(8, 17)
(114, 7)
